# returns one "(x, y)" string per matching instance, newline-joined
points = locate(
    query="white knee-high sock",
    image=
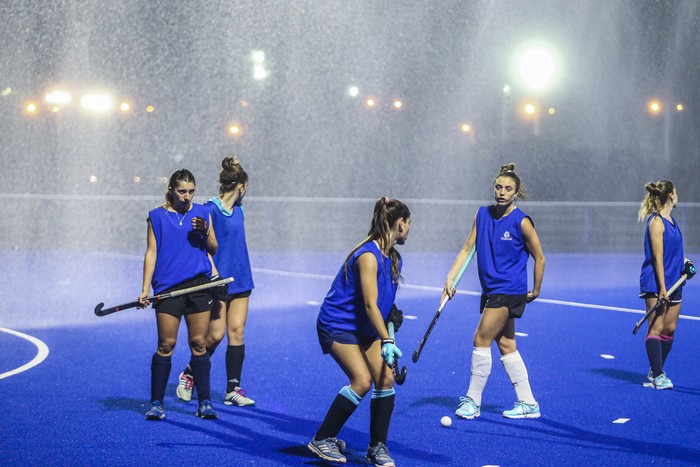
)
(481, 369)
(515, 368)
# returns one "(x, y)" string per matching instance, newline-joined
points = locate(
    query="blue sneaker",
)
(155, 411)
(467, 408)
(329, 449)
(206, 411)
(379, 456)
(523, 410)
(662, 382)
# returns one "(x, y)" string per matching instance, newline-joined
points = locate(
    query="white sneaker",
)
(238, 397)
(184, 387)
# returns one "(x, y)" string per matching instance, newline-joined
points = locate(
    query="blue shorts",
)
(326, 339)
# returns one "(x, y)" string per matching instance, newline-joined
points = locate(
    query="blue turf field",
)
(84, 404)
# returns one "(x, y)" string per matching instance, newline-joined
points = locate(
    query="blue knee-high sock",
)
(654, 354)
(201, 372)
(381, 408)
(338, 413)
(160, 372)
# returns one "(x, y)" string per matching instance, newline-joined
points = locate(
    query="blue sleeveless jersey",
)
(673, 257)
(231, 259)
(343, 309)
(180, 252)
(501, 252)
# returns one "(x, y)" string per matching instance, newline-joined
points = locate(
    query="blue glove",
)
(389, 351)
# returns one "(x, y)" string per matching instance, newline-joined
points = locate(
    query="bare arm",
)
(149, 264)
(459, 262)
(367, 268)
(212, 243)
(656, 237)
(532, 241)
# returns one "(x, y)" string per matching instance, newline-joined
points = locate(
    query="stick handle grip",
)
(461, 272)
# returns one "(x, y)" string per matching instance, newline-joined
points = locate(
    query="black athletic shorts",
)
(196, 302)
(326, 339)
(216, 311)
(675, 298)
(514, 303)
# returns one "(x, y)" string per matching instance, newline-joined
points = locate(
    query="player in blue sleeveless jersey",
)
(662, 267)
(230, 312)
(180, 239)
(504, 237)
(352, 327)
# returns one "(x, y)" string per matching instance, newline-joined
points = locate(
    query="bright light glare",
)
(6, 92)
(353, 91)
(654, 106)
(465, 128)
(58, 98)
(370, 102)
(93, 179)
(259, 72)
(506, 89)
(679, 107)
(398, 104)
(537, 68)
(124, 107)
(97, 102)
(529, 109)
(31, 107)
(150, 108)
(552, 111)
(258, 56)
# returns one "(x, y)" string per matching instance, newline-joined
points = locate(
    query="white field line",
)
(42, 353)
(548, 301)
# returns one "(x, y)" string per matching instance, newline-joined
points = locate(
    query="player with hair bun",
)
(179, 241)
(505, 237)
(230, 310)
(663, 265)
(352, 327)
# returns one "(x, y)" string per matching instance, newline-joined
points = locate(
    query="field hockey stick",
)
(416, 354)
(659, 303)
(99, 311)
(399, 377)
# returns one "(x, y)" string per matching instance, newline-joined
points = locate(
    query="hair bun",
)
(653, 188)
(507, 168)
(230, 163)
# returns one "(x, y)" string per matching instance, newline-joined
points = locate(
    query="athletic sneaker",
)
(662, 382)
(328, 449)
(650, 376)
(379, 456)
(184, 387)
(467, 408)
(523, 410)
(206, 411)
(155, 411)
(238, 397)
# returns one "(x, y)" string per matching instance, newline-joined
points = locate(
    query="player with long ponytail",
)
(352, 327)
(663, 265)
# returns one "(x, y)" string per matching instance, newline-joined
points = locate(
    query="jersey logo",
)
(506, 236)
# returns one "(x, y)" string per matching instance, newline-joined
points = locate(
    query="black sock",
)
(160, 372)
(235, 354)
(666, 344)
(338, 413)
(380, 411)
(201, 372)
(654, 354)
(211, 350)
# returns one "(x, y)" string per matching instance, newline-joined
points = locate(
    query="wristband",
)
(387, 341)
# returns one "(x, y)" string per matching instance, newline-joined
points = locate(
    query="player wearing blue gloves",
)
(352, 328)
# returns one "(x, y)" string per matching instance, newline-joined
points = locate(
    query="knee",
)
(669, 330)
(198, 345)
(166, 346)
(507, 347)
(235, 335)
(214, 337)
(386, 381)
(361, 387)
